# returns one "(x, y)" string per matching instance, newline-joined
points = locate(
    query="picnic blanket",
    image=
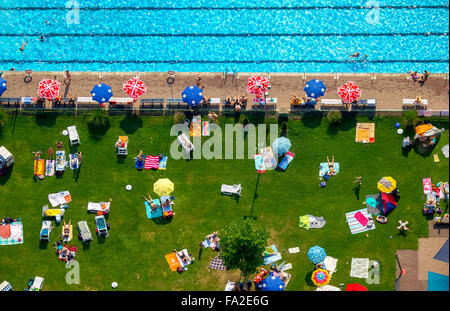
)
(445, 151)
(259, 163)
(151, 162)
(217, 263)
(196, 126)
(360, 268)
(286, 161)
(163, 163)
(311, 222)
(365, 132)
(74, 163)
(355, 221)
(153, 214)
(273, 258)
(50, 168)
(427, 188)
(59, 198)
(205, 126)
(15, 234)
(61, 162)
(325, 170)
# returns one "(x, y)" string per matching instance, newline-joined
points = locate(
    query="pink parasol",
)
(134, 87)
(349, 92)
(48, 89)
(258, 85)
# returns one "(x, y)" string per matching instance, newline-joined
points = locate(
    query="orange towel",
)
(5, 231)
(173, 262)
(421, 129)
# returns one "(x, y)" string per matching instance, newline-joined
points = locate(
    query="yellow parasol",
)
(163, 187)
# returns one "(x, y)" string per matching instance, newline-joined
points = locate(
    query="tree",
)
(334, 117)
(243, 243)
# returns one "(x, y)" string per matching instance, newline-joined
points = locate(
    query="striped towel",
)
(151, 162)
(205, 131)
(355, 224)
(427, 185)
(163, 163)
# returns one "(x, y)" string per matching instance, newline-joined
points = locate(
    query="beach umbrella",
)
(315, 88)
(101, 93)
(134, 87)
(349, 92)
(355, 287)
(3, 87)
(320, 277)
(316, 254)
(163, 187)
(281, 145)
(272, 283)
(48, 88)
(257, 85)
(192, 95)
(387, 184)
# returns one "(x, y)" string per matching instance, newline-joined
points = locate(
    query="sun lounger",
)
(46, 228)
(328, 103)
(102, 228)
(122, 148)
(156, 213)
(163, 163)
(37, 284)
(61, 162)
(74, 139)
(85, 233)
(285, 162)
(273, 258)
(151, 162)
(231, 190)
(103, 207)
(185, 143)
(259, 163)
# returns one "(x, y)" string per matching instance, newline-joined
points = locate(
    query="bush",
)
(334, 117)
(98, 122)
(3, 117)
(243, 120)
(411, 119)
(179, 117)
(284, 127)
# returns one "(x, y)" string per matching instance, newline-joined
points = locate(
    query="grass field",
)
(133, 255)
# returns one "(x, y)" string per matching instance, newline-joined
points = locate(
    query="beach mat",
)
(50, 168)
(155, 214)
(259, 163)
(15, 236)
(205, 128)
(365, 132)
(427, 188)
(324, 169)
(163, 163)
(173, 262)
(274, 258)
(355, 224)
(442, 254)
(286, 161)
(151, 162)
(61, 162)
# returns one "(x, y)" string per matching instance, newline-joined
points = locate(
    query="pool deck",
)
(388, 89)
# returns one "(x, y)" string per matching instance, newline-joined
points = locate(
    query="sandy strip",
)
(387, 89)
(428, 247)
(409, 262)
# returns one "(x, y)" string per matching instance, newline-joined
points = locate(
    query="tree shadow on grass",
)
(4, 178)
(162, 220)
(43, 244)
(130, 124)
(348, 123)
(97, 132)
(46, 119)
(308, 280)
(312, 119)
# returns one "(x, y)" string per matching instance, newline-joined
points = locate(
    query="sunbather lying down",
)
(66, 229)
(183, 257)
(331, 166)
(150, 201)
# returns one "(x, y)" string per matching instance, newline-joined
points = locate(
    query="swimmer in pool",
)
(22, 48)
(354, 55)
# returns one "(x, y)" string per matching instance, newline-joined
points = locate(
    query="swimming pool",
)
(226, 35)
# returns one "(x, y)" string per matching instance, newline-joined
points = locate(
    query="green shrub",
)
(334, 117)
(3, 117)
(411, 119)
(179, 117)
(243, 120)
(284, 127)
(98, 122)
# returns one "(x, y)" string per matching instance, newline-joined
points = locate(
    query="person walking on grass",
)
(358, 181)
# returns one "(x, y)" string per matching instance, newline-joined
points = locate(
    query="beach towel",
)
(39, 167)
(427, 188)
(196, 127)
(151, 162)
(259, 163)
(180, 260)
(325, 170)
(360, 268)
(304, 222)
(173, 262)
(361, 218)
(5, 231)
(365, 133)
(206, 243)
(50, 168)
(328, 288)
(61, 162)
(294, 250)
(153, 214)
(330, 264)
(445, 150)
(74, 163)
(273, 258)
(217, 264)
(59, 198)
(16, 234)
(286, 160)
(436, 158)
(269, 157)
(355, 225)
(205, 126)
(229, 287)
(163, 163)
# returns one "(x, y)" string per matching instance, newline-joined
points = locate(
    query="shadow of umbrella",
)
(130, 124)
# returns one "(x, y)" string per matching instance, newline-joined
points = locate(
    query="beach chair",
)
(101, 226)
(37, 284)
(122, 145)
(185, 143)
(103, 207)
(45, 230)
(231, 190)
(167, 211)
(85, 234)
(74, 139)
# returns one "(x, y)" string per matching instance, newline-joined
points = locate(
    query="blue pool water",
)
(225, 35)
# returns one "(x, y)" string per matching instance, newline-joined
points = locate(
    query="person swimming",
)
(24, 43)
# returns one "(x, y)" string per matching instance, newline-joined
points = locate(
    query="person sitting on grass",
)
(183, 257)
(59, 145)
(150, 201)
(140, 156)
(331, 166)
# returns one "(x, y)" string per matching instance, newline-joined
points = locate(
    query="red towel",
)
(361, 218)
(5, 231)
(151, 162)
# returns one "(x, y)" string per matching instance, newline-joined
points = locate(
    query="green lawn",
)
(133, 255)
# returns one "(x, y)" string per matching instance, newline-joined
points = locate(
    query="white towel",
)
(445, 150)
(59, 198)
(16, 231)
(286, 267)
(294, 250)
(330, 264)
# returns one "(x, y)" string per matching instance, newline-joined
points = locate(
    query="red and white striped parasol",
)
(134, 87)
(48, 88)
(258, 85)
(349, 92)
